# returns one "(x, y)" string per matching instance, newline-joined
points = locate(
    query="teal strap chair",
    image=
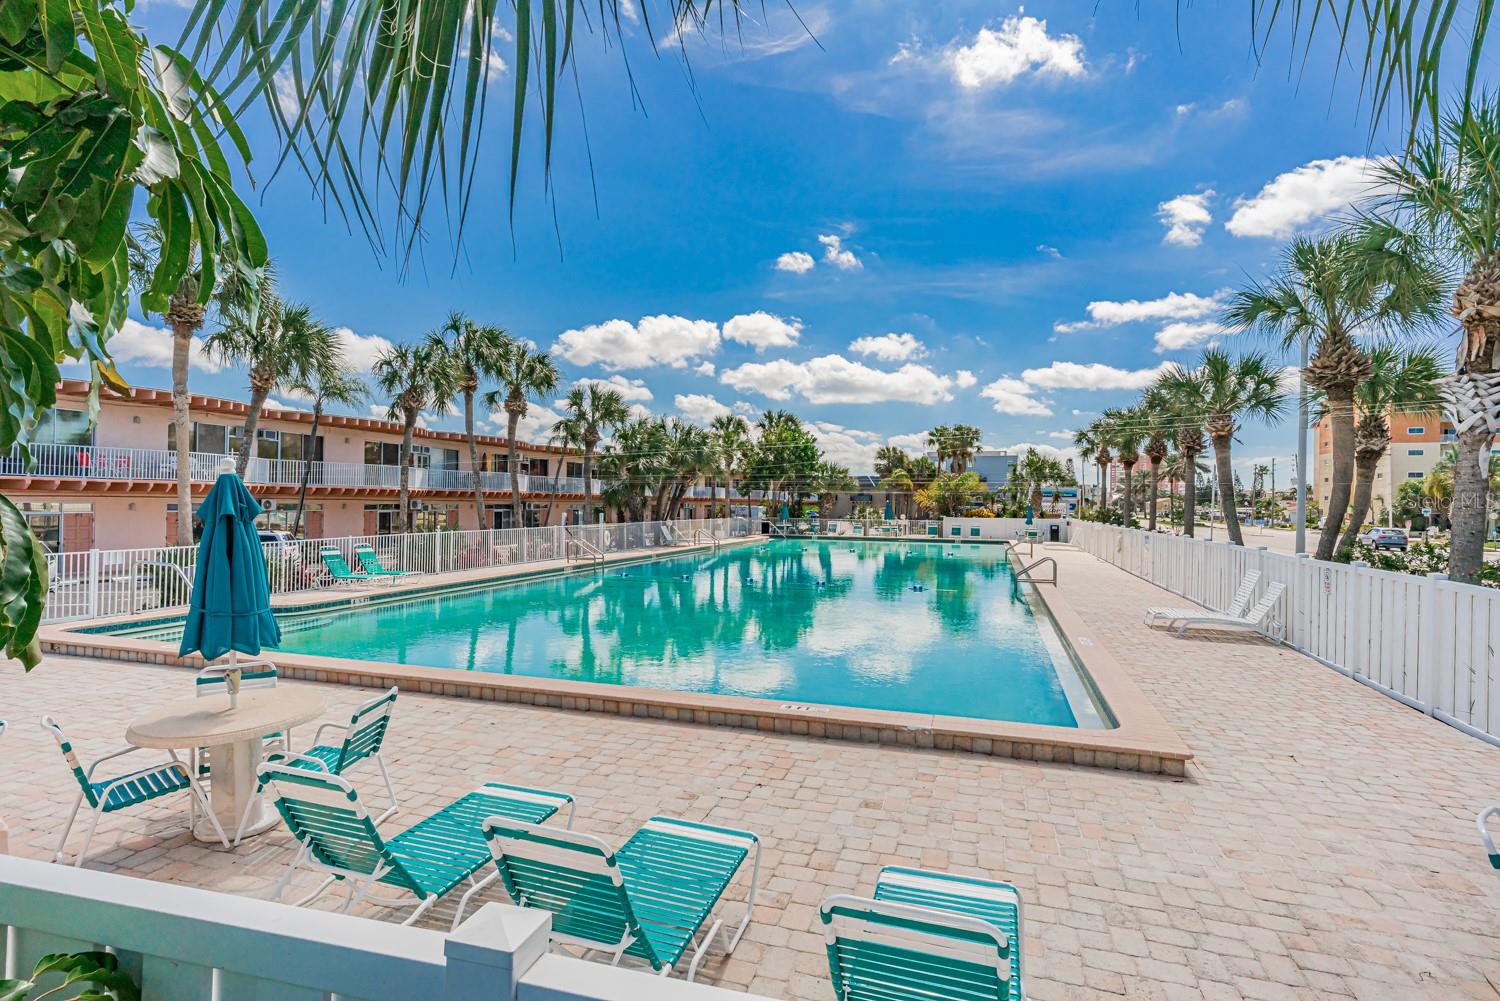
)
(926, 936)
(427, 860)
(338, 568)
(123, 791)
(364, 738)
(1484, 833)
(369, 562)
(254, 674)
(647, 900)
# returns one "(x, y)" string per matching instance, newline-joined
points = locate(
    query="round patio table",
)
(233, 738)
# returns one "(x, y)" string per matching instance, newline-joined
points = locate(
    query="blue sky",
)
(919, 214)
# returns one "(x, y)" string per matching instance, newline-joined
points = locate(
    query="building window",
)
(280, 520)
(64, 427)
(382, 453)
(1414, 451)
(1416, 430)
(575, 470)
(1413, 475)
(45, 518)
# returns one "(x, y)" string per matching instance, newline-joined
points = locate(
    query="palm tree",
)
(899, 481)
(592, 410)
(888, 459)
(731, 439)
(1156, 423)
(1398, 383)
(1094, 443)
(939, 439)
(330, 383)
(1126, 435)
(1182, 397)
(475, 350)
(1330, 289)
(829, 479)
(415, 377)
(282, 345)
(963, 442)
(1445, 200)
(524, 374)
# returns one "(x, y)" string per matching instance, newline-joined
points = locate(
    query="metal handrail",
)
(175, 567)
(1023, 573)
(590, 550)
(673, 535)
(713, 539)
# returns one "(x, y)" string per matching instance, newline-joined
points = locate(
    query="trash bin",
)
(1054, 532)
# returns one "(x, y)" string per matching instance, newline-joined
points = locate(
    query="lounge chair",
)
(1255, 619)
(123, 791)
(338, 568)
(1484, 834)
(428, 859)
(364, 737)
(1237, 604)
(369, 562)
(926, 936)
(646, 901)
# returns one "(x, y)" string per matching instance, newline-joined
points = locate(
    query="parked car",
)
(285, 542)
(1384, 538)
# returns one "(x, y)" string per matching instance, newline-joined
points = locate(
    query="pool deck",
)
(1142, 740)
(1320, 845)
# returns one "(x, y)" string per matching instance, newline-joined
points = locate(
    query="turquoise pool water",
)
(937, 627)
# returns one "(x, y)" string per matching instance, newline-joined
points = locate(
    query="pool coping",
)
(1142, 740)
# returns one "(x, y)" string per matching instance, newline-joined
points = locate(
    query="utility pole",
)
(1302, 449)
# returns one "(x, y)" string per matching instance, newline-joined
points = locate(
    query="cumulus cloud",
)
(848, 447)
(704, 368)
(743, 407)
(1298, 198)
(1010, 395)
(361, 350)
(536, 426)
(654, 340)
(835, 253)
(964, 379)
(151, 347)
(1020, 45)
(916, 441)
(836, 379)
(1180, 335)
(629, 389)
(1047, 451)
(762, 330)
(1091, 375)
(699, 407)
(1049, 250)
(1186, 217)
(889, 347)
(1172, 306)
(797, 262)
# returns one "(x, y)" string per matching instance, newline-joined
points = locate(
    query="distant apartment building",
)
(1417, 444)
(993, 466)
(111, 484)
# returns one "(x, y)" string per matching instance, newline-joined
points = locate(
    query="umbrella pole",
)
(232, 679)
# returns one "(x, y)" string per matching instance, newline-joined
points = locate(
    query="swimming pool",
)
(932, 628)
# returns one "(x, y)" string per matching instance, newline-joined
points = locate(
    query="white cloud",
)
(762, 330)
(1293, 200)
(151, 347)
(743, 407)
(1049, 250)
(1061, 435)
(847, 446)
(629, 389)
(914, 442)
(536, 426)
(797, 262)
(274, 404)
(889, 347)
(1172, 306)
(698, 407)
(1012, 396)
(361, 350)
(964, 379)
(1186, 217)
(835, 253)
(1021, 45)
(655, 340)
(1092, 375)
(1291, 380)
(1180, 335)
(835, 379)
(1045, 450)
(704, 368)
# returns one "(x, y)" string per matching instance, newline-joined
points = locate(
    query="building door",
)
(77, 532)
(313, 522)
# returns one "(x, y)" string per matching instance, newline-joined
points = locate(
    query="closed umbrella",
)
(889, 514)
(1028, 514)
(230, 610)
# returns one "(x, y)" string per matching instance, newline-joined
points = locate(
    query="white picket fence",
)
(180, 943)
(104, 582)
(1430, 642)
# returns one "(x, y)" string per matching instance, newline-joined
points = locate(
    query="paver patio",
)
(1321, 845)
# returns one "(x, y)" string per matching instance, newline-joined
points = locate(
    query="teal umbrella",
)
(230, 610)
(1028, 514)
(889, 514)
(785, 514)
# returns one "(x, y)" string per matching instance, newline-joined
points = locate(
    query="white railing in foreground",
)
(103, 582)
(1427, 641)
(181, 943)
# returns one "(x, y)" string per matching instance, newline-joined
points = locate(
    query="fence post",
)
(1302, 572)
(94, 555)
(488, 954)
(1428, 643)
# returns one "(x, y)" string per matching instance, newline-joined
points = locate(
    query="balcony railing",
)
(103, 462)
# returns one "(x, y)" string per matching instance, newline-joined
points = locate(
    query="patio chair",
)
(647, 901)
(1484, 834)
(1255, 619)
(253, 674)
(123, 791)
(926, 936)
(364, 737)
(428, 859)
(1237, 604)
(369, 562)
(339, 570)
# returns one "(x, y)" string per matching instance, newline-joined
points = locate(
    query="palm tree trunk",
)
(1341, 416)
(588, 484)
(259, 390)
(1151, 501)
(473, 456)
(1189, 492)
(307, 454)
(407, 429)
(1128, 501)
(1468, 510)
(1226, 490)
(513, 460)
(1364, 486)
(182, 341)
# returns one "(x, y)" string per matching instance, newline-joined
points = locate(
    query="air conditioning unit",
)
(419, 505)
(268, 505)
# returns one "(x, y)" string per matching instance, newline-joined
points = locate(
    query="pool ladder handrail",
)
(702, 533)
(574, 542)
(175, 567)
(1023, 575)
(674, 536)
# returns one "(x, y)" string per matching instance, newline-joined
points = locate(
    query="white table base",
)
(232, 782)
